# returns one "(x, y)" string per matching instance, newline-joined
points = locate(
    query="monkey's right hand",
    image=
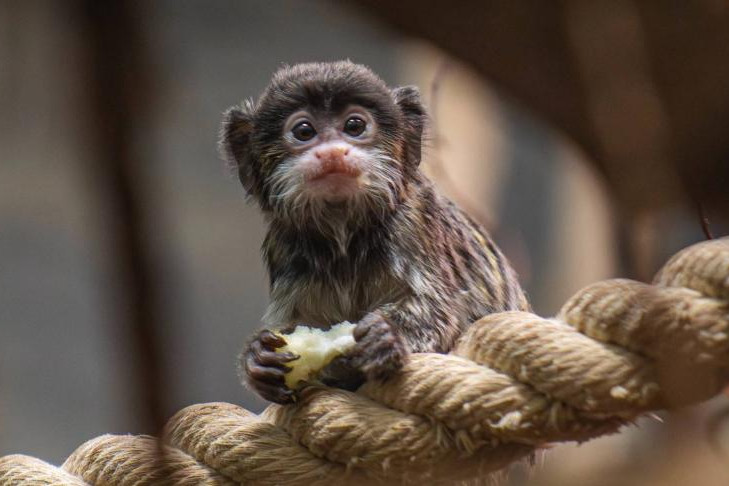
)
(265, 368)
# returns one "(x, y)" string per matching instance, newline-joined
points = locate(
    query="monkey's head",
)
(324, 142)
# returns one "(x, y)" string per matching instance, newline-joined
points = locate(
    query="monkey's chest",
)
(322, 300)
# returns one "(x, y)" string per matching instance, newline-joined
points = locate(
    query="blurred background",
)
(590, 137)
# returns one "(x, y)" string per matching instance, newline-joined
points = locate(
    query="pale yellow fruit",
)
(316, 348)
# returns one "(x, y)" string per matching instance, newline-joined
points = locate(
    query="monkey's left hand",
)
(379, 352)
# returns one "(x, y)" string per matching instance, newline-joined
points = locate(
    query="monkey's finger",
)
(271, 340)
(277, 360)
(274, 393)
(370, 325)
(361, 330)
(265, 374)
(271, 358)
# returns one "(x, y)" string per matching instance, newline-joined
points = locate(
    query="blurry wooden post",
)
(120, 103)
(639, 86)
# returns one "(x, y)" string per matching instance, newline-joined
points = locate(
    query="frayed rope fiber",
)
(514, 382)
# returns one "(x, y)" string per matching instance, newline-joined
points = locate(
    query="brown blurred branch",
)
(704, 220)
(119, 103)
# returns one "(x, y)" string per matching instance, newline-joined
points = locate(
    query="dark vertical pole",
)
(119, 97)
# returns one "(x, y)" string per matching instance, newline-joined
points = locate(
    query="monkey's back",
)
(456, 268)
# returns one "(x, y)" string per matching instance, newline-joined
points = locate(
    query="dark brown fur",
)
(412, 274)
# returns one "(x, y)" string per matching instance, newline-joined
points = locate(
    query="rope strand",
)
(616, 350)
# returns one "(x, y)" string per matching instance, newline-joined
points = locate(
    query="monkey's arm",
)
(380, 350)
(414, 324)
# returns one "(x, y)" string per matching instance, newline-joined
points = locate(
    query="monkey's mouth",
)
(334, 181)
(333, 170)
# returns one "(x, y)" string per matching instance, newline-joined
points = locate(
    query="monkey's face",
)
(326, 142)
(335, 159)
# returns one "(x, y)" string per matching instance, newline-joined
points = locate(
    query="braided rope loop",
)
(513, 382)
(29, 471)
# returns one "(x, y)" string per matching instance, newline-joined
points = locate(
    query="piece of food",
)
(316, 348)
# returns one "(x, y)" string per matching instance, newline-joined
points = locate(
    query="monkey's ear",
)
(408, 99)
(234, 144)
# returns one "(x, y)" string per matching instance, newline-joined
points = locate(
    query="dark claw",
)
(271, 358)
(262, 373)
(270, 340)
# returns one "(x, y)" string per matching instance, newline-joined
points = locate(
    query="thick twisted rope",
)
(515, 381)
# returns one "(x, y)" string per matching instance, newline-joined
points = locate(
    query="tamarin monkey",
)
(356, 231)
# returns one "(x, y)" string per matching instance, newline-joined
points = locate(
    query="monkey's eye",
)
(355, 126)
(303, 131)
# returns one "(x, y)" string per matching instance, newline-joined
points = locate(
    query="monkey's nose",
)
(332, 152)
